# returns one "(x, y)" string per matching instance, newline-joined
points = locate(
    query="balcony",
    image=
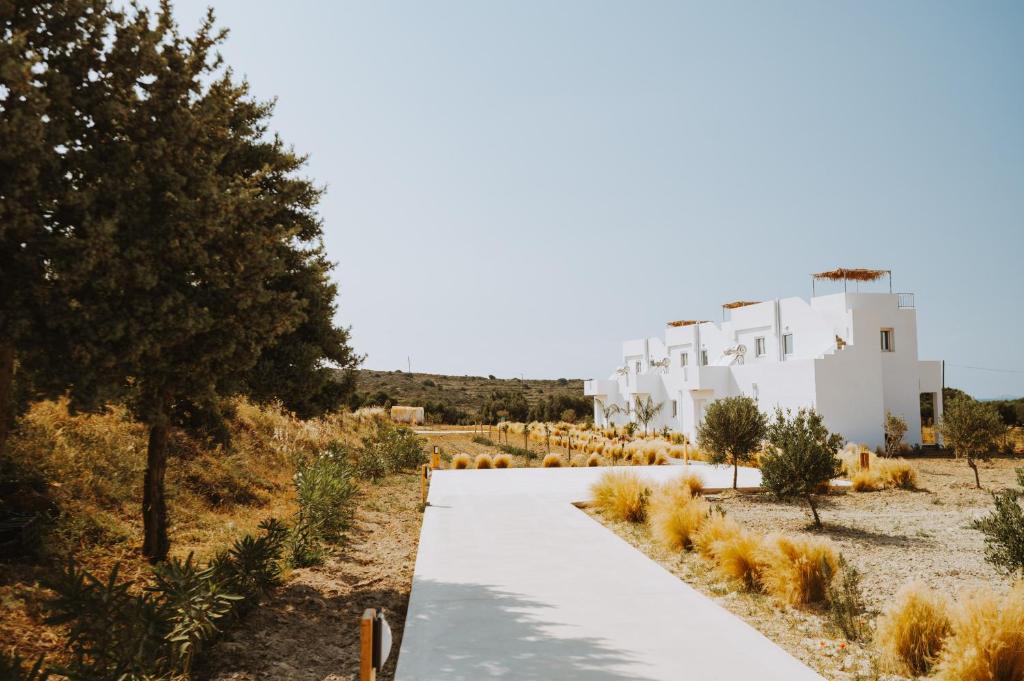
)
(905, 300)
(599, 387)
(645, 384)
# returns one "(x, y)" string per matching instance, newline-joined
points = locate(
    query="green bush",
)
(389, 448)
(1004, 530)
(482, 440)
(845, 602)
(326, 492)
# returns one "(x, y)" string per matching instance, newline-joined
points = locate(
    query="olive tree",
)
(895, 428)
(970, 428)
(731, 431)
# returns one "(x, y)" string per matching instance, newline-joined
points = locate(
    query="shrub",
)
(731, 431)
(483, 461)
(460, 461)
(895, 428)
(715, 528)
(552, 461)
(482, 440)
(594, 460)
(326, 492)
(502, 461)
(970, 429)
(389, 448)
(674, 516)
(692, 481)
(621, 495)
(736, 555)
(1004, 530)
(797, 570)
(845, 602)
(911, 632)
(866, 480)
(804, 457)
(987, 643)
(897, 473)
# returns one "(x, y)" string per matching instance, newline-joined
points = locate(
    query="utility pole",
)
(408, 363)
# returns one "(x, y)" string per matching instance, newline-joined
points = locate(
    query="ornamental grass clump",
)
(460, 461)
(736, 555)
(797, 570)
(594, 460)
(483, 461)
(502, 461)
(552, 461)
(987, 643)
(621, 495)
(675, 516)
(866, 480)
(911, 632)
(897, 473)
(717, 527)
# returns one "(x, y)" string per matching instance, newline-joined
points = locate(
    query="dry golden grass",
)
(866, 480)
(460, 461)
(502, 461)
(621, 495)
(794, 569)
(675, 516)
(716, 528)
(483, 461)
(911, 632)
(552, 460)
(692, 481)
(897, 473)
(987, 643)
(660, 459)
(595, 460)
(737, 558)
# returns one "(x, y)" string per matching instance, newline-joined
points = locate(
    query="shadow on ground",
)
(476, 631)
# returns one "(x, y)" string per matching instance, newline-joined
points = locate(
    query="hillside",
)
(455, 399)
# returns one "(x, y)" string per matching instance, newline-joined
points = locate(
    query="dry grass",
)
(866, 480)
(552, 461)
(987, 643)
(794, 568)
(595, 460)
(461, 461)
(897, 473)
(621, 495)
(483, 461)
(692, 481)
(910, 633)
(675, 516)
(716, 528)
(502, 461)
(737, 557)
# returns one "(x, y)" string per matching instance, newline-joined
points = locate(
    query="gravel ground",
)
(892, 537)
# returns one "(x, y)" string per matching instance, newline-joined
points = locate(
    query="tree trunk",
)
(974, 467)
(6, 392)
(814, 511)
(735, 471)
(154, 506)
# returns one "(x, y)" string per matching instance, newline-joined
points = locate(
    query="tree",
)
(895, 428)
(646, 410)
(732, 431)
(526, 436)
(51, 54)
(195, 249)
(970, 429)
(1004, 530)
(607, 411)
(802, 458)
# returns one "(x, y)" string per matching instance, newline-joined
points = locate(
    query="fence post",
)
(424, 476)
(435, 458)
(865, 460)
(366, 669)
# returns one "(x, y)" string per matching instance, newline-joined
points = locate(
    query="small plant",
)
(251, 567)
(987, 643)
(594, 460)
(1004, 530)
(731, 431)
(621, 495)
(971, 429)
(897, 473)
(736, 555)
(797, 570)
(895, 428)
(482, 440)
(646, 410)
(716, 528)
(483, 461)
(911, 632)
(844, 598)
(803, 459)
(502, 461)
(675, 516)
(552, 461)
(692, 481)
(461, 461)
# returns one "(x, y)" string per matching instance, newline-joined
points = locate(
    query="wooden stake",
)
(686, 453)
(425, 473)
(865, 461)
(366, 670)
(435, 458)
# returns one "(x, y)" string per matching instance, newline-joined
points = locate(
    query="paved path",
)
(513, 581)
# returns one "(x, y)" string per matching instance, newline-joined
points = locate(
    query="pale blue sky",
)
(515, 188)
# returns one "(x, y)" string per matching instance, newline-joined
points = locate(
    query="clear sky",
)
(516, 187)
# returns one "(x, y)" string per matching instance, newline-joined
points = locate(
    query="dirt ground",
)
(892, 537)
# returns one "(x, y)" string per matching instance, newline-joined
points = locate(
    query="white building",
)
(850, 356)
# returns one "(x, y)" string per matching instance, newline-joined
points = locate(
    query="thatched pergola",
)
(736, 304)
(846, 274)
(685, 322)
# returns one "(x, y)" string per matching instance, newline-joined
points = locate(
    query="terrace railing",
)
(905, 299)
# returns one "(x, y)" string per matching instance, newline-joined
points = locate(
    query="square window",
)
(704, 357)
(787, 344)
(759, 346)
(887, 345)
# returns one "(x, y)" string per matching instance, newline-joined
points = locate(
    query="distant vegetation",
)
(474, 399)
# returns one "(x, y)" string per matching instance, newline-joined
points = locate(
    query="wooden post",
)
(435, 458)
(686, 453)
(865, 460)
(424, 474)
(366, 670)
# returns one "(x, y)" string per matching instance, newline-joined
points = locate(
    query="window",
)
(675, 408)
(638, 367)
(787, 344)
(684, 359)
(704, 357)
(887, 340)
(759, 346)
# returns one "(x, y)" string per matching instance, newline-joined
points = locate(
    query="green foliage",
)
(326, 492)
(389, 448)
(1004, 530)
(505, 404)
(481, 440)
(803, 457)
(895, 428)
(553, 407)
(844, 598)
(731, 431)
(970, 428)
(251, 567)
(517, 451)
(646, 410)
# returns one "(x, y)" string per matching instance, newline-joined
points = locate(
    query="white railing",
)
(905, 299)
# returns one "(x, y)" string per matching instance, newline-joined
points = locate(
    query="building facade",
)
(850, 356)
